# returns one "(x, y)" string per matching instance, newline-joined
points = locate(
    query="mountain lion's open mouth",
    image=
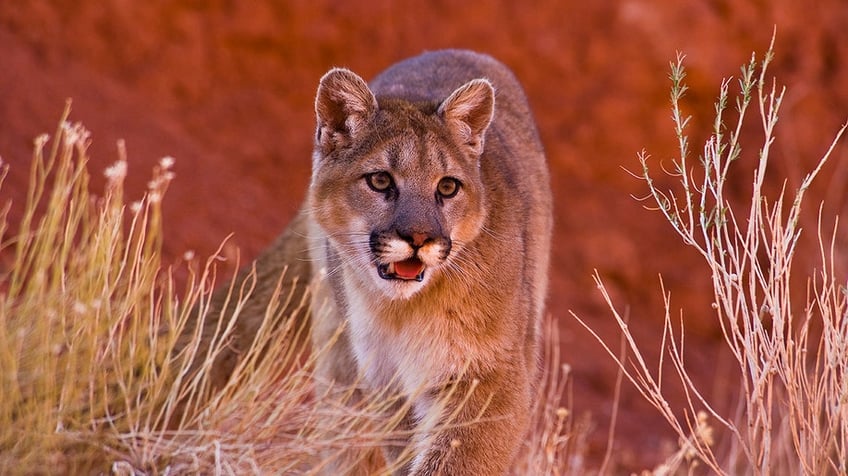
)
(408, 270)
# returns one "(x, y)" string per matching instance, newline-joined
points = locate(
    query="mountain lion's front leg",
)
(477, 428)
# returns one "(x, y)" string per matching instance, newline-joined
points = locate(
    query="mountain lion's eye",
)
(379, 181)
(448, 187)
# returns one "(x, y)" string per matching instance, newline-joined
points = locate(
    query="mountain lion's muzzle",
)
(407, 255)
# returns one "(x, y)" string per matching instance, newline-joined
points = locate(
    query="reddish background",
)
(227, 87)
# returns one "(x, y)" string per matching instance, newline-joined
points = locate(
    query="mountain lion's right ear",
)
(468, 111)
(344, 104)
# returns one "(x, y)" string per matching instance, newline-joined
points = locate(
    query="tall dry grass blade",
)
(792, 403)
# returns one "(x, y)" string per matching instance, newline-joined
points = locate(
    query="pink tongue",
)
(408, 269)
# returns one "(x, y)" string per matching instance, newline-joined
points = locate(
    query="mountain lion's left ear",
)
(468, 111)
(344, 104)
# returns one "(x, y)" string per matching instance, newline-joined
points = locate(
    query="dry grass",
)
(557, 445)
(75, 321)
(792, 416)
(92, 379)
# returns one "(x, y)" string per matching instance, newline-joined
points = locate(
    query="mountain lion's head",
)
(396, 186)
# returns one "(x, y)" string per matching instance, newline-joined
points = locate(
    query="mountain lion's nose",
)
(416, 239)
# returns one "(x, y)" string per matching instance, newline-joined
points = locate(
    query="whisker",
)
(494, 234)
(456, 268)
(350, 255)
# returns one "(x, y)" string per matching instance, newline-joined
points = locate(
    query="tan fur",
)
(468, 330)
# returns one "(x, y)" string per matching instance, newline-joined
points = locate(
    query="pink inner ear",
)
(469, 110)
(343, 100)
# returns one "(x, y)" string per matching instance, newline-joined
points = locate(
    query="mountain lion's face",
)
(397, 189)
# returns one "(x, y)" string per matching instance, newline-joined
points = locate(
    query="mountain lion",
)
(428, 228)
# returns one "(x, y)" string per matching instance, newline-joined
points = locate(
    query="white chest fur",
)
(411, 352)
